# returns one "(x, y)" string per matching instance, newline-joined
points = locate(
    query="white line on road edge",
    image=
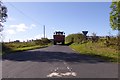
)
(74, 50)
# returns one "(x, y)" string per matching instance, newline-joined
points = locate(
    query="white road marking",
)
(58, 74)
(69, 73)
(56, 69)
(68, 68)
(55, 74)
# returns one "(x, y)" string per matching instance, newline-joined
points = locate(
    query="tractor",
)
(59, 37)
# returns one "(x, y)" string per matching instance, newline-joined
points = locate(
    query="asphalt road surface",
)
(56, 61)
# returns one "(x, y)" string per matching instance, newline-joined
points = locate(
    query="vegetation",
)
(3, 14)
(97, 50)
(105, 47)
(115, 15)
(75, 38)
(115, 20)
(22, 46)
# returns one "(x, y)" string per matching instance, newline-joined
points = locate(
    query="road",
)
(56, 61)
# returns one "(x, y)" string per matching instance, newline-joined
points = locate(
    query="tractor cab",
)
(59, 33)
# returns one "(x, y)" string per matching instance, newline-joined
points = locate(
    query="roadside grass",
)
(98, 50)
(27, 48)
(9, 48)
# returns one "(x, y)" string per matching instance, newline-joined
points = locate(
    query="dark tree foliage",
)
(3, 15)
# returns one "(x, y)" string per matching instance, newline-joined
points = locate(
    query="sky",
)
(26, 19)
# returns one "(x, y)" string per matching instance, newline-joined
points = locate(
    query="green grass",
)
(27, 48)
(17, 47)
(98, 50)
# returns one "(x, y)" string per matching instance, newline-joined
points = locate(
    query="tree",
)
(115, 18)
(3, 15)
(94, 37)
(115, 15)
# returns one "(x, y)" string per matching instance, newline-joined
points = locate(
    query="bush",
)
(75, 38)
(45, 41)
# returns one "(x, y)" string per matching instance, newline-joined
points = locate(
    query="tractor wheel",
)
(54, 43)
(63, 43)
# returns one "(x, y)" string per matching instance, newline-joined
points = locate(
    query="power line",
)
(28, 17)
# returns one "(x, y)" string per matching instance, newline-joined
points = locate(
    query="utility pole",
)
(44, 30)
(9, 40)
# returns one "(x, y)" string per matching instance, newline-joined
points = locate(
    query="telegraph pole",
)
(9, 40)
(44, 30)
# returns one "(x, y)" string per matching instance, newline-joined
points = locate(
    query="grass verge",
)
(98, 50)
(23, 49)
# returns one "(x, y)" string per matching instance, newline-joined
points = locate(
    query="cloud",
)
(19, 27)
(13, 29)
(10, 31)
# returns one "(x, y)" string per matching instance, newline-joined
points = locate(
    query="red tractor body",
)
(59, 37)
